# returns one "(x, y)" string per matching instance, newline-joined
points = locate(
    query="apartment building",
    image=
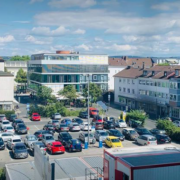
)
(57, 70)
(155, 90)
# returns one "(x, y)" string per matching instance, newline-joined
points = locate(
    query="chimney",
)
(143, 65)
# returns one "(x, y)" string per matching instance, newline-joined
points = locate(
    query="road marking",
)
(36, 127)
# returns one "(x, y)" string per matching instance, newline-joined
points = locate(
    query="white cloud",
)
(22, 22)
(166, 6)
(173, 39)
(6, 39)
(84, 47)
(79, 31)
(46, 31)
(126, 47)
(33, 40)
(34, 1)
(72, 3)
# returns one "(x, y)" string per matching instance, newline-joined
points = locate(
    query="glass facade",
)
(54, 57)
(154, 83)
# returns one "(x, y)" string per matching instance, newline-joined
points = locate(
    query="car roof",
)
(56, 143)
(128, 129)
(21, 124)
(147, 135)
(34, 113)
(5, 120)
(8, 125)
(114, 130)
(140, 128)
(101, 130)
(19, 144)
(75, 123)
(6, 133)
(63, 133)
(112, 137)
(16, 137)
(30, 135)
(47, 135)
(18, 120)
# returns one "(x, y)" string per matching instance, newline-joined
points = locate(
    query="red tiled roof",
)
(117, 62)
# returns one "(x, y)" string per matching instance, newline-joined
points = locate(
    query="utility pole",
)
(88, 109)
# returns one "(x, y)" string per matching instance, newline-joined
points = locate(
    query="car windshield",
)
(66, 135)
(117, 133)
(75, 124)
(115, 140)
(19, 122)
(16, 140)
(162, 132)
(5, 122)
(20, 147)
(86, 135)
(95, 111)
(49, 125)
(63, 125)
(103, 133)
(41, 145)
(35, 115)
(22, 126)
(33, 138)
(132, 132)
(49, 138)
(7, 134)
(9, 127)
(98, 124)
(1, 140)
(58, 145)
(145, 131)
(121, 120)
(152, 139)
(55, 121)
(75, 142)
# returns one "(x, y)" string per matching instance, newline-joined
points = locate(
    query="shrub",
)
(2, 174)
(7, 113)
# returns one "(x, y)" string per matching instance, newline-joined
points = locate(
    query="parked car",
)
(21, 128)
(134, 123)
(143, 131)
(2, 145)
(8, 129)
(74, 127)
(63, 137)
(93, 112)
(4, 123)
(163, 139)
(99, 126)
(84, 126)
(66, 121)
(54, 122)
(77, 120)
(19, 150)
(130, 133)
(112, 119)
(13, 140)
(73, 145)
(49, 127)
(157, 131)
(6, 135)
(109, 125)
(83, 114)
(47, 138)
(40, 145)
(116, 133)
(121, 123)
(40, 133)
(17, 121)
(100, 134)
(2, 117)
(55, 147)
(12, 117)
(35, 117)
(62, 128)
(29, 139)
(176, 123)
(56, 116)
(97, 119)
(146, 140)
(84, 136)
(112, 141)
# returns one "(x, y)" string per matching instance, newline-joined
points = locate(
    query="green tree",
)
(164, 64)
(44, 93)
(69, 92)
(20, 58)
(21, 76)
(94, 91)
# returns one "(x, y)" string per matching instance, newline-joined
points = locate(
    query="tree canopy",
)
(69, 92)
(20, 58)
(44, 93)
(21, 76)
(94, 91)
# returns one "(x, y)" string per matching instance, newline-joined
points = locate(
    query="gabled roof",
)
(117, 62)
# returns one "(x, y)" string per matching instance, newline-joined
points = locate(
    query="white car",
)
(29, 139)
(12, 141)
(5, 123)
(6, 135)
(146, 140)
(176, 123)
(74, 127)
(9, 129)
(121, 123)
(84, 126)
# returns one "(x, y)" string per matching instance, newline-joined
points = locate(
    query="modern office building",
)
(155, 90)
(63, 68)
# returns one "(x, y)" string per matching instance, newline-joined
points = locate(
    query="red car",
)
(55, 147)
(35, 117)
(98, 119)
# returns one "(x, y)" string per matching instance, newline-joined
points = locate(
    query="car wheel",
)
(145, 144)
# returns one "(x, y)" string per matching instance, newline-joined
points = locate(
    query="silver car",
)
(2, 117)
(56, 116)
(29, 139)
(47, 138)
(12, 141)
(6, 136)
(74, 127)
(40, 145)
(84, 136)
(101, 134)
(54, 122)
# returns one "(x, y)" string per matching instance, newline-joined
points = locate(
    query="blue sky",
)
(113, 27)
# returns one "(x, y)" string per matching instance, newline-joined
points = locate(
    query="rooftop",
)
(5, 74)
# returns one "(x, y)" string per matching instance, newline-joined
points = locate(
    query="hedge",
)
(2, 174)
(172, 131)
(7, 113)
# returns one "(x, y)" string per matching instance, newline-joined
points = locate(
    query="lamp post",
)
(88, 109)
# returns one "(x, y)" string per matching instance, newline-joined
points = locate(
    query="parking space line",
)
(36, 127)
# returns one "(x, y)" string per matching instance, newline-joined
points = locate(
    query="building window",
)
(124, 80)
(133, 92)
(124, 89)
(119, 88)
(165, 73)
(153, 73)
(145, 73)
(177, 72)
(94, 77)
(172, 97)
(175, 112)
(128, 90)
(159, 84)
(128, 81)
(119, 80)
(133, 81)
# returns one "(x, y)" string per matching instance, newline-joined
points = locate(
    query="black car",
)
(77, 120)
(19, 150)
(49, 127)
(12, 117)
(83, 114)
(63, 137)
(109, 125)
(163, 139)
(157, 131)
(116, 133)
(73, 145)
(143, 131)
(21, 128)
(17, 121)
(112, 119)
(40, 133)
(2, 145)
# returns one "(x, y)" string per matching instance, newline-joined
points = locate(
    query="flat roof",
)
(70, 54)
(2, 73)
(149, 160)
